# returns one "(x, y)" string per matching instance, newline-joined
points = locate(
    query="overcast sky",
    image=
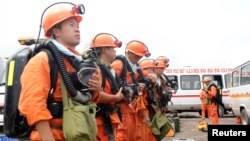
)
(203, 33)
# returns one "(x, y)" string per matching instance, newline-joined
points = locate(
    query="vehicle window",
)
(3, 63)
(236, 78)
(173, 81)
(228, 80)
(245, 75)
(190, 82)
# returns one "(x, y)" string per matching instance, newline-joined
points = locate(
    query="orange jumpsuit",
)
(213, 106)
(204, 104)
(115, 121)
(127, 131)
(35, 82)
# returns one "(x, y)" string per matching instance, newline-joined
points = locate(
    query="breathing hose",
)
(82, 97)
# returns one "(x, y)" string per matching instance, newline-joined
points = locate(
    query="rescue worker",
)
(211, 92)
(160, 71)
(164, 59)
(61, 23)
(103, 47)
(164, 88)
(147, 66)
(155, 101)
(134, 51)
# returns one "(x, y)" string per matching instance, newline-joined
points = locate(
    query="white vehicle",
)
(239, 91)
(3, 62)
(2, 92)
(187, 85)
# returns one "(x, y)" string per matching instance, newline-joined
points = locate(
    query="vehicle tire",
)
(220, 111)
(245, 120)
(233, 112)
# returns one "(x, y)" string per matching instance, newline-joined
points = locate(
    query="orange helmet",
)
(164, 58)
(162, 62)
(147, 63)
(105, 40)
(138, 48)
(57, 15)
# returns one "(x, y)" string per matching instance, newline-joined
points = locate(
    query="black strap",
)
(106, 74)
(140, 73)
(167, 79)
(132, 73)
(104, 77)
(104, 113)
(126, 67)
(53, 75)
(123, 80)
(55, 107)
(105, 110)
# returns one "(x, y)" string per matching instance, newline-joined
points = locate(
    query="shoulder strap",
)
(106, 74)
(131, 71)
(126, 67)
(140, 73)
(53, 74)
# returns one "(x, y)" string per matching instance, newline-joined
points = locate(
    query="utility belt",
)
(56, 108)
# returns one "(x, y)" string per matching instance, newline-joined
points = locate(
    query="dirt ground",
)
(189, 130)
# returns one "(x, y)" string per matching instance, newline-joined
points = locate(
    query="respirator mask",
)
(84, 71)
